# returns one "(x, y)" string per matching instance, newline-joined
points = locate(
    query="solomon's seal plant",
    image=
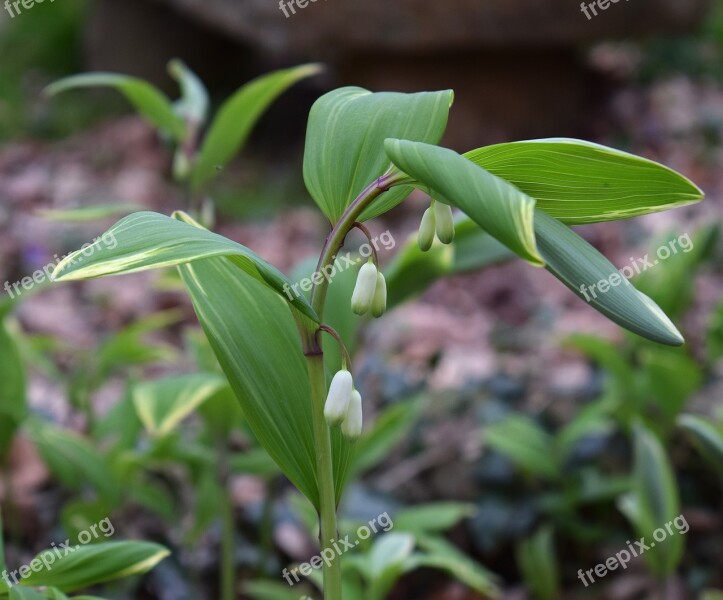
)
(365, 152)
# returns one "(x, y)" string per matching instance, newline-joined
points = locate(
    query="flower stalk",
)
(317, 380)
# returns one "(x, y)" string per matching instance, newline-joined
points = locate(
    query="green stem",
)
(317, 380)
(227, 525)
(336, 238)
(325, 474)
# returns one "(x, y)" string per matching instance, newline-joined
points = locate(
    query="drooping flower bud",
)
(339, 397)
(379, 303)
(366, 283)
(425, 237)
(445, 222)
(351, 428)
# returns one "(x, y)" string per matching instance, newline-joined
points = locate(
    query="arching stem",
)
(317, 380)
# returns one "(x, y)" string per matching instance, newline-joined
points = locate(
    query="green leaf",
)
(147, 100)
(671, 377)
(238, 115)
(496, 206)
(386, 560)
(120, 427)
(88, 213)
(609, 357)
(164, 403)
(208, 505)
(148, 240)
(592, 420)
(221, 411)
(411, 272)
(580, 182)
(13, 407)
(72, 458)
(433, 517)
(474, 248)
(253, 462)
(78, 516)
(440, 554)
(256, 342)
(654, 502)
(673, 285)
(536, 557)
(155, 497)
(193, 105)
(388, 552)
(128, 348)
(706, 437)
(581, 268)
(389, 429)
(526, 444)
(510, 216)
(345, 142)
(97, 563)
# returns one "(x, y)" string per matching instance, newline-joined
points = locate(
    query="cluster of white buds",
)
(344, 405)
(437, 219)
(370, 292)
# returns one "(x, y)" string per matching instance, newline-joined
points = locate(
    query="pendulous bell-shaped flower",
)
(379, 303)
(339, 398)
(425, 237)
(366, 284)
(351, 427)
(444, 222)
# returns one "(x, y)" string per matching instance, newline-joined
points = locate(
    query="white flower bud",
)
(445, 222)
(366, 283)
(351, 428)
(339, 397)
(379, 303)
(425, 237)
